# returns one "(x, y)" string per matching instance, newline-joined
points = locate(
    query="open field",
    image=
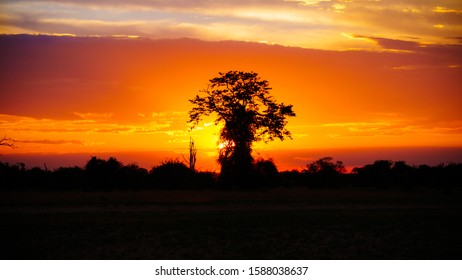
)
(276, 224)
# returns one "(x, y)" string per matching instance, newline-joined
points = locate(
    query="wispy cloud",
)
(94, 129)
(51, 142)
(394, 127)
(93, 117)
(444, 10)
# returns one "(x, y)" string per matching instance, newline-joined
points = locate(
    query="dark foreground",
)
(277, 224)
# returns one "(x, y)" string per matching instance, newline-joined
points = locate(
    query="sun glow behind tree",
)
(243, 105)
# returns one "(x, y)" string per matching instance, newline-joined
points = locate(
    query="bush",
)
(265, 173)
(172, 173)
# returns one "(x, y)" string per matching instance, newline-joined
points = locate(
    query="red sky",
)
(103, 96)
(368, 79)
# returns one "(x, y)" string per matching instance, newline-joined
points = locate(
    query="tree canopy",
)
(242, 103)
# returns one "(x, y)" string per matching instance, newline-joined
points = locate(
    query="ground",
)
(275, 224)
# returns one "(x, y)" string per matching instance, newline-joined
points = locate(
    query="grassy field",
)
(276, 224)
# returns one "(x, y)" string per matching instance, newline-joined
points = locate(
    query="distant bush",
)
(12, 177)
(172, 173)
(133, 177)
(265, 173)
(324, 173)
(103, 174)
(324, 166)
(69, 178)
(205, 180)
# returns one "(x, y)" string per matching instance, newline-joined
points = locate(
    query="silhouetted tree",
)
(12, 177)
(133, 177)
(69, 178)
(172, 173)
(266, 173)
(104, 174)
(378, 174)
(403, 174)
(325, 166)
(191, 160)
(324, 172)
(5, 141)
(38, 178)
(243, 104)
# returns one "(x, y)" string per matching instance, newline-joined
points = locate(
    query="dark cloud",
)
(451, 51)
(458, 39)
(396, 44)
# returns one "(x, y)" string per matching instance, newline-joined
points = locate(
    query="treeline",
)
(107, 175)
(382, 174)
(104, 175)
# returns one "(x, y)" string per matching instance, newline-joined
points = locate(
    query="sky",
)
(368, 79)
(325, 24)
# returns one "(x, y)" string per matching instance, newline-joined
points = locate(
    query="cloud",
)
(392, 43)
(397, 18)
(52, 142)
(169, 4)
(437, 56)
(236, 23)
(457, 39)
(93, 117)
(296, 23)
(439, 9)
(161, 122)
(394, 127)
(98, 132)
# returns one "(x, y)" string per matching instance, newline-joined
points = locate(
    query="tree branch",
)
(9, 142)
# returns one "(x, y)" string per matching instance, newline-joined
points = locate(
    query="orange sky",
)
(374, 78)
(103, 95)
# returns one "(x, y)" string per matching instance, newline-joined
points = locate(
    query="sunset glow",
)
(111, 78)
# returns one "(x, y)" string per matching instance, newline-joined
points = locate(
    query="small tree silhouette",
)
(172, 173)
(191, 160)
(325, 166)
(103, 174)
(5, 141)
(243, 104)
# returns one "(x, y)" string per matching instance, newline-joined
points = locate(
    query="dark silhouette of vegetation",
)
(192, 158)
(172, 173)
(266, 173)
(103, 174)
(6, 141)
(325, 166)
(241, 102)
(324, 172)
(108, 175)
